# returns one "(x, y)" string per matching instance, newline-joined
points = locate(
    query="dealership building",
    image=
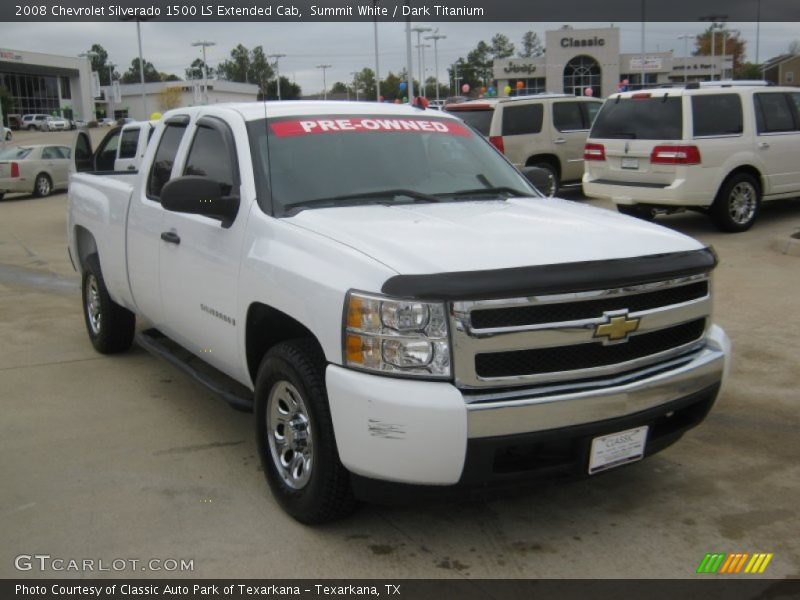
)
(577, 59)
(64, 86)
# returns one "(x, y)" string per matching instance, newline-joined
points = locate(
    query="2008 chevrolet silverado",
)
(395, 300)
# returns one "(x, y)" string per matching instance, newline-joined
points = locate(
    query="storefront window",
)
(580, 73)
(534, 85)
(32, 93)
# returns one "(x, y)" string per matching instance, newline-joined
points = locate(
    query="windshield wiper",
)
(493, 191)
(376, 195)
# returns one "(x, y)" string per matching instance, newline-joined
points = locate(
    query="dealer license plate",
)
(630, 163)
(617, 449)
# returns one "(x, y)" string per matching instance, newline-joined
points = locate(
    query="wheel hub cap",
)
(289, 435)
(742, 205)
(93, 304)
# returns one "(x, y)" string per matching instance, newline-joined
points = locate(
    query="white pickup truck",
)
(399, 305)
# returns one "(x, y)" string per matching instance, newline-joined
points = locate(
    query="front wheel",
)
(110, 326)
(737, 204)
(8, 136)
(295, 438)
(552, 179)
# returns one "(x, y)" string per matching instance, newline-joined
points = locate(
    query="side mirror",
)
(198, 195)
(542, 179)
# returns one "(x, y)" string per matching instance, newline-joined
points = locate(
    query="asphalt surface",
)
(125, 458)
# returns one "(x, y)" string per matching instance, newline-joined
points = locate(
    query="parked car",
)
(34, 169)
(107, 122)
(394, 300)
(57, 124)
(32, 122)
(543, 130)
(7, 135)
(721, 149)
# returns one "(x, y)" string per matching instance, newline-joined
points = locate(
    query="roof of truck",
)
(291, 108)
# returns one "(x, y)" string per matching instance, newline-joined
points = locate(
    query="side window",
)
(592, 108)
(208, 158)
(63, 151)
(520, 120)
(49, 153)
(717, 114)
(773, 113)
(128, 143)
(567, 116)
(164, 159)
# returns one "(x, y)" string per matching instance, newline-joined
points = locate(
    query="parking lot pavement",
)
(124, 457)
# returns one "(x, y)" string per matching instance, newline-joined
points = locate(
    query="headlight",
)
(403, 337)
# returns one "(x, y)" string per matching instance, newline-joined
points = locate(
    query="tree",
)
(726, 41)
(132, 74)
(749, 70)
(794, 47)
(247, 66)
(289, 90)
(259, 71)
(531, 45)
(99, 62)
(195, 70)
(365, 80)
(169, 77)
(170, 97)
(501, 46)
(339, 88)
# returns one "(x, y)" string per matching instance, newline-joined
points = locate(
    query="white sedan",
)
(34, 169)
(56, 124)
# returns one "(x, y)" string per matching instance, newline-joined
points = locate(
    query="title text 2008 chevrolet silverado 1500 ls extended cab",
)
(396, 300)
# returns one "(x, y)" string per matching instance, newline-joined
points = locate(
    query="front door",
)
(200, 258)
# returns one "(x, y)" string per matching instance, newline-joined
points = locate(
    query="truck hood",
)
(471, 236)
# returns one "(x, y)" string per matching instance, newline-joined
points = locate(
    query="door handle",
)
(763, 144)
(559, 141)
(131, 167)
(171, 237)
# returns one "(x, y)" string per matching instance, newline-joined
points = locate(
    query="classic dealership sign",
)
(582, 43)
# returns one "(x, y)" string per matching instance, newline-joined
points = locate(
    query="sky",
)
(347, 47)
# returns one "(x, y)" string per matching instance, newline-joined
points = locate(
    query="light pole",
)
(436, 37)
(141, 66)
(377, 62)
(409, 74)
(420, 30)
(422, 86)
(355, 82)
(277, 57)
(685, 39)
(324, 81)
(758, 28)
(713, 19)
(111, 89)
(204, 44)
(641, 76)
(90, 55)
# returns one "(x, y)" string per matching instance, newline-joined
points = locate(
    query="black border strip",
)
(551, 279)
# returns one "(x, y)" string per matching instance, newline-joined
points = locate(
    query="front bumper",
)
(421, 432)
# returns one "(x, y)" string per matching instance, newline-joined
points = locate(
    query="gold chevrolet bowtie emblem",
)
(617, 328)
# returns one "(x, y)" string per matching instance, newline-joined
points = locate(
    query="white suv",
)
(720, 148)
(34, 121)
(543, 130)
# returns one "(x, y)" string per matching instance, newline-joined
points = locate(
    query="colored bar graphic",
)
(732, 564)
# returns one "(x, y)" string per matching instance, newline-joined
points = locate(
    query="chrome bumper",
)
(516, 412)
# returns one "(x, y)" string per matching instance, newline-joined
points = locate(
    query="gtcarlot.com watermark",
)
(46, 563)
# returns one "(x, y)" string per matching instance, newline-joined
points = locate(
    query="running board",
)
(234, 393)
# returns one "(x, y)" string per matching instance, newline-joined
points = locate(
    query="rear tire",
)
(109, 325)
(552, 177)
(640, 211)
(42, 186)
(294, 434)
(737, 203)
(8, 136)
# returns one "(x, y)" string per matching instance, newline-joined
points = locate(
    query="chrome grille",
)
(553, 338)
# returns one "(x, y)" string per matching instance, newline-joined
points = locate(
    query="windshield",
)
(653, 118)
(345, 160)
(14, 153)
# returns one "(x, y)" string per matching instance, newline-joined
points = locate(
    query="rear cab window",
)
(129, 143)
(717, 115)
(647, 117)
(161, 170)
(523, 119)
(208, 158)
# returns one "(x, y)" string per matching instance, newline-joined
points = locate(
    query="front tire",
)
(737, 204)
(295, 438)
(42, 186)
(110, 326)
(8, 136)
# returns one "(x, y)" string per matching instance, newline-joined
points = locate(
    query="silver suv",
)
(544, 130)
(34, 121)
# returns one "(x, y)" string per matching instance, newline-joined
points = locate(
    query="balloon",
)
(507, 90)
(405, 99)
(380, 99)
(491, 90)
(155, 116)
(588, 92)
(397, 100)
(483, 90)
(423, 101)
(403, 86)
(465, 88)
(520, 85)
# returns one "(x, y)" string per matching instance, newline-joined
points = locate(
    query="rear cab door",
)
(778, 139)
